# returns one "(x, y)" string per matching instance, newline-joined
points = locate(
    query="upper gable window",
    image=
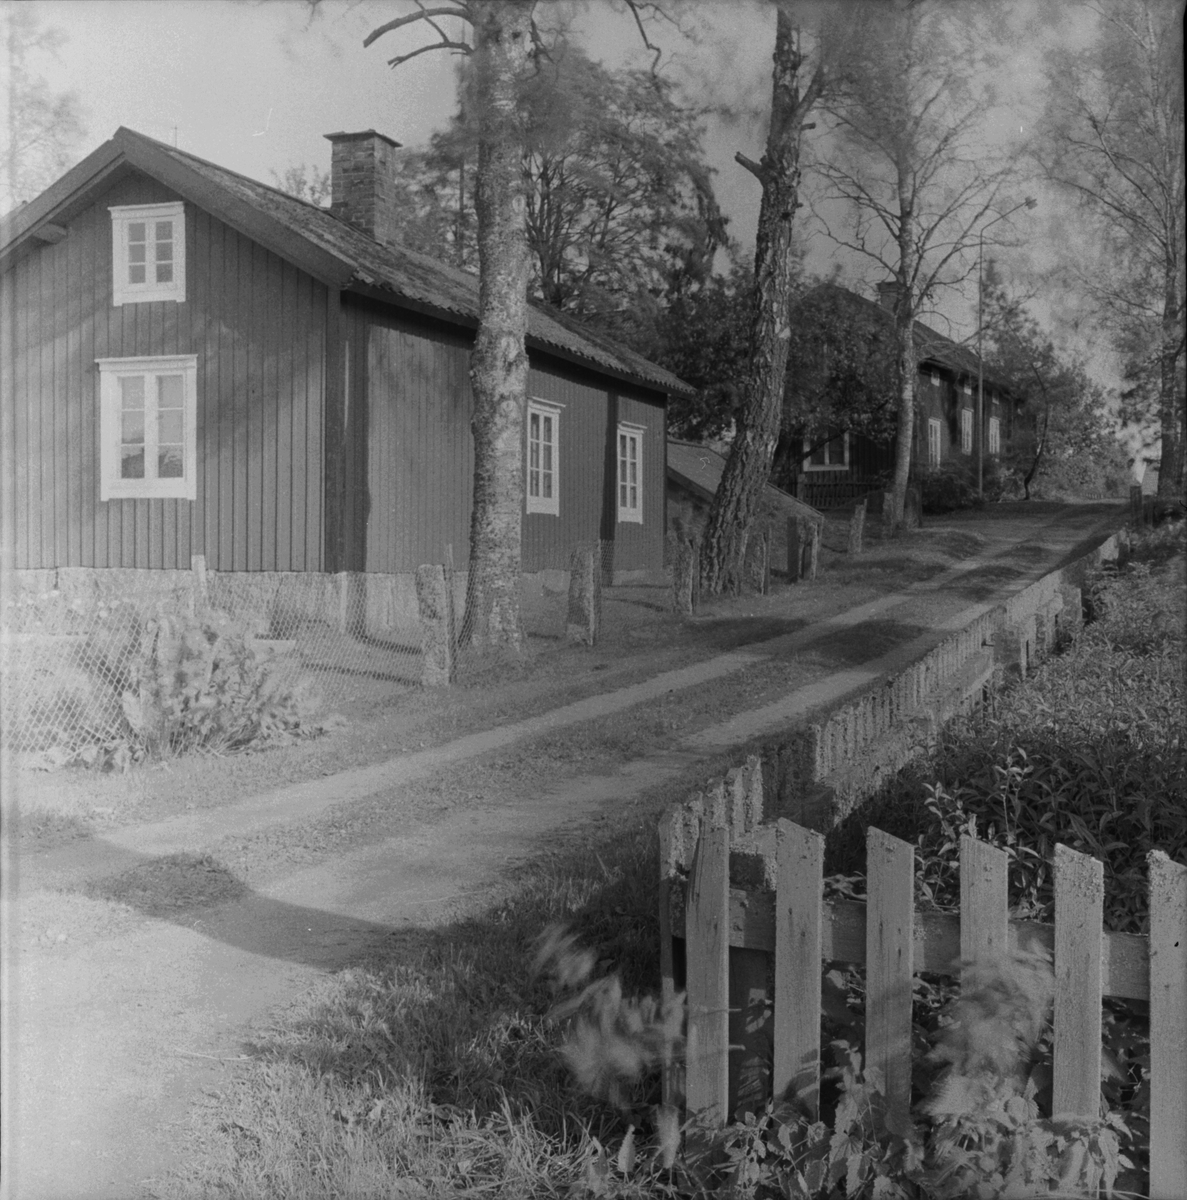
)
(148, 252)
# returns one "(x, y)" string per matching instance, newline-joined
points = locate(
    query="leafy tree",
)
(759, 416)
(620, 205)
(909, 168)
(1064, 437)
(306, 183)
(1114, 140)
(42, 129)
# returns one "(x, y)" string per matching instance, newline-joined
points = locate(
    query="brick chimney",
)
(887, 293)
(363, 173)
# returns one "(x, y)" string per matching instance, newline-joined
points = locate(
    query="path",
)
(114, 1038)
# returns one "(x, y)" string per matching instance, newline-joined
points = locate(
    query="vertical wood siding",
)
(641, 547)
(257, 325)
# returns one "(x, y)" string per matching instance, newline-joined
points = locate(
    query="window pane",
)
(131, 462)
(169, 462)
(136, 252)
(818, 457)
(547, 486)
(169, 426)
(137, 232)
(136, 273)
(547, 435)
(547, 457)
(132, 426)
(170, 391)
(164, 272)
(132, 391)
(164, 234)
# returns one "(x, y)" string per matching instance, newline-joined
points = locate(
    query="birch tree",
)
(1113, 141)
(500, 55)
(906, 179)
(747, 469)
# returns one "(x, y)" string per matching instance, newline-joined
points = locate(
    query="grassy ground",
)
(436, 1070)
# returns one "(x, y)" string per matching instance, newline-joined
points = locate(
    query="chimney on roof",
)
(888, 293)
(363, 187)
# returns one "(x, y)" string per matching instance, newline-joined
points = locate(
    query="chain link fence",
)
(73, 650)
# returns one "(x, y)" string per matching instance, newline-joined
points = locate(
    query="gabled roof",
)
(698, 469)
(932, 348)
(318, 242)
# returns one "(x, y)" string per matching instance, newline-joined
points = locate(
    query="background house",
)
(834, 471)
(195, 364)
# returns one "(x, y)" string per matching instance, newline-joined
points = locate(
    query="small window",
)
(148, 253)
(995, 435)
(966, 430)
(967, 388)
(830, 455)
(935, 379)
(933, 442)
(630, 473)
(148, 427)
(543, 480)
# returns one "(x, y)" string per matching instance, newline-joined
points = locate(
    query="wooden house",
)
(194, 365)
(834, 471)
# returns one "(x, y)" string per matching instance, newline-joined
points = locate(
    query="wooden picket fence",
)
(736, 892)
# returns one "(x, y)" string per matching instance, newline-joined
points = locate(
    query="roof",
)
(321, 243)
(931, 346)
(698, 469)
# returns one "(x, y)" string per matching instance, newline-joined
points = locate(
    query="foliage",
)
(306, 183)
(620, 204)
(948, 487)
(42, 128)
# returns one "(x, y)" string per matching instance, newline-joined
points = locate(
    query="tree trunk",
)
(1172, 406)
(748, 467)
(499, 364)
(906, 366)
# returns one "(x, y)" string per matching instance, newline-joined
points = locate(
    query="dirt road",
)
(138, 963)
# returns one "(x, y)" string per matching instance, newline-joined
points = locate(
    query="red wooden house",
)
(195, 364)
(836, 471)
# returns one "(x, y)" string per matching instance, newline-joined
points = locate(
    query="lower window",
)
(543, 481)
(630, 473)
(995, 435)
(966, 430)
(933, 442)
(148, 425)
(830, 454)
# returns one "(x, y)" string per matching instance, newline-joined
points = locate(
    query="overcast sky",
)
(255, 86)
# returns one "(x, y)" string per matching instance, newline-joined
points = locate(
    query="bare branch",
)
(425, 14)
(445, 44)
(754, 168)
(656, 51)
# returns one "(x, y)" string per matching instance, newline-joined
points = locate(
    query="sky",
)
(254, 85)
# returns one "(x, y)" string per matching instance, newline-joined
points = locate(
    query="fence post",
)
(684, 574)
(199, 596)
(817, 532)
(706, 940)
(667, 966)
(890, 967)
(585, 597)
(856, 526)
(1168, 1026)
(1079, 923)
(984, 900)
(795, 549)
(434, 602)
(799, 859)
(1135, 505)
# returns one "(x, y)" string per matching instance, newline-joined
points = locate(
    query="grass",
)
(437, 1070)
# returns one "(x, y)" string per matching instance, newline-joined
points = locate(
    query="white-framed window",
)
(966, 387)
(933, 442)
(995, 435)
(543, 479)
(148, 427)
(630, 473)
(831, 455)
(966, 430)
(147, 252)
(935, 379)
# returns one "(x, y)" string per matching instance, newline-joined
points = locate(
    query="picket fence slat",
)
(667, 968)
(984, 900)
(1079, 916)
(798, 914)
(890, 966)
(1168, 1027)
(707, 949)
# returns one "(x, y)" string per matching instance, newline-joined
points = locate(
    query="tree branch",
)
(444, 44)
(425, 14)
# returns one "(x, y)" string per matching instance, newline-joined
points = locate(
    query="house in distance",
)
(197, 365)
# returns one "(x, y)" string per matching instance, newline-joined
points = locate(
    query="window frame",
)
(806, 460)
(934, 425)
(995, 436)
(633, 433)
(935, 378)
(966, 430)
(123, 216)
(546, 505)
(111, 485)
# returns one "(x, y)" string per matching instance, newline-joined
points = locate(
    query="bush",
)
(953, 485)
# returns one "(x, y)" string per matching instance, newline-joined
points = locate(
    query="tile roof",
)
(408, 276)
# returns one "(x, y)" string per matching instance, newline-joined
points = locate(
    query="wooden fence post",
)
(890, 967)
(706, 940)
(1135, 505)
(817, 532)
(984, 900)
(795, 549)
(667, 966)
(1079, 923)
(799, 893)
(856, 527)
(686, 574)
(585, 597)
(435, 605)
(1168, 1027)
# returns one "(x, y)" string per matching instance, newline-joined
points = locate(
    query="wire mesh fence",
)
(77, 656)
